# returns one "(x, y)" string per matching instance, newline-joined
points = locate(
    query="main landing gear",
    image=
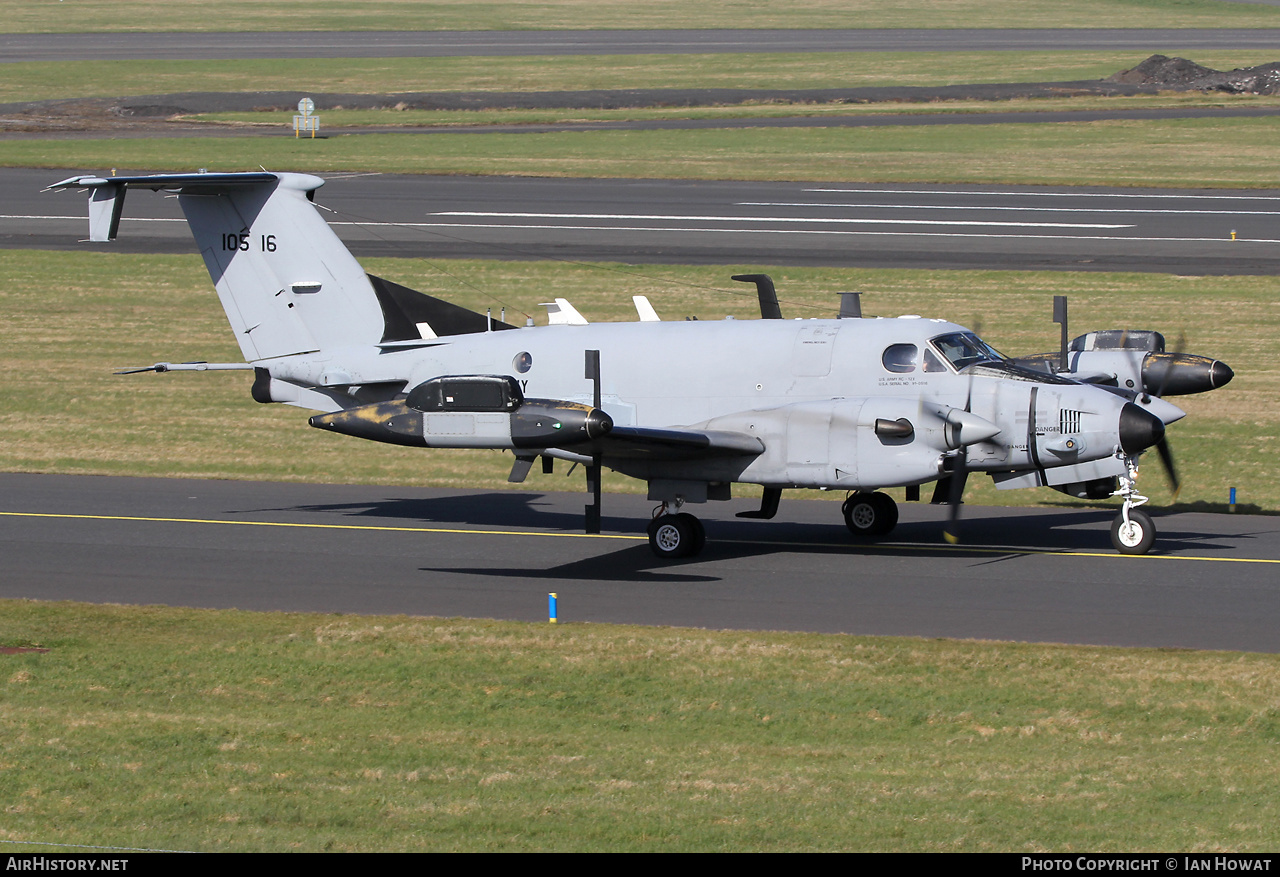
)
(1132, 532)
(870, 515)
(678, 535)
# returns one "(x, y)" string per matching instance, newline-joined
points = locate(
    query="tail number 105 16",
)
(241, 241)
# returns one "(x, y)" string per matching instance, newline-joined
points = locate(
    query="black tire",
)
(699, 534)
(673, 536)
(870, 515)
(1138, 537)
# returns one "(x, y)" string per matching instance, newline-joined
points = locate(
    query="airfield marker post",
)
(551, 607)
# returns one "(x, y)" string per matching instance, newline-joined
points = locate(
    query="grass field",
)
(33, 16)
(1233, 153)
(232, 731)
(78, 79)
(62, 410)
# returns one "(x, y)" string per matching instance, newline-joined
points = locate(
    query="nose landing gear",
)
(1132, 532)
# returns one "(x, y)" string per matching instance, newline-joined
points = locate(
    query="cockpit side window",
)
(932, 363)
(900, 358)
(963, 349)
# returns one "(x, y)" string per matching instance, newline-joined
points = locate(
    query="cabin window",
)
(900, 358)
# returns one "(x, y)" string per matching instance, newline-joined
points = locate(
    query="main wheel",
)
(1135, 537)
(699, 534)
(870, 514)
(672, 536)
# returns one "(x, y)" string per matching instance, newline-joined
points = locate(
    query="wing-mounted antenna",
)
(769, 309)
(645, 310)
(1060, 316)
(593, 471)
(561, 313)
(850, 306)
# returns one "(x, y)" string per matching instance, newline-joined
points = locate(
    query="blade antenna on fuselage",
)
(1060, 316)
(769, 309)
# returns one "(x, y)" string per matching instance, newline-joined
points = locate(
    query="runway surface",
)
(738, 224)
(427, 44)
(1035, 574)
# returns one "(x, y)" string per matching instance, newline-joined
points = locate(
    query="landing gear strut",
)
(870, 515)
(678, 535)
(1132, 532)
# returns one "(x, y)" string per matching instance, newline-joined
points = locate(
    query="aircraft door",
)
(812, 353)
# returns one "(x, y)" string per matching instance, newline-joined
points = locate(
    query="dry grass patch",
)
(26, 16)
(484, 735)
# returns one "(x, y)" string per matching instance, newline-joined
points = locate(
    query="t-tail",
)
(287, 283)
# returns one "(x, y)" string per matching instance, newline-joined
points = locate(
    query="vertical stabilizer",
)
(285, 280)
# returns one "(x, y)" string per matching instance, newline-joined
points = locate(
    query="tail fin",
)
(285, 280)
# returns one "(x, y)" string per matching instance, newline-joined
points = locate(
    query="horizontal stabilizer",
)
(106, 195)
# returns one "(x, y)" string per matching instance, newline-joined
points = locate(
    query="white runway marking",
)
(659, 217)
(1152, 210)
(976, 194)
(804, 231)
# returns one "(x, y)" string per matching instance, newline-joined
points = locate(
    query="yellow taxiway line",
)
(896, 546)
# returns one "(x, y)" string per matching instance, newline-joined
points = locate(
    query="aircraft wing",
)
(643, 442)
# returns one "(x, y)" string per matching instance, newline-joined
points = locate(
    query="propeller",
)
(956, 481)
(1162, 446)
(955, 493)
(959, 475)
(1170, 470)
(593, 471)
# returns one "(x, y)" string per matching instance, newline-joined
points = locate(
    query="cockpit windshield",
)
(963, 349)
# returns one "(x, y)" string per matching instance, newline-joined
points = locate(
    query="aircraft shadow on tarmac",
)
(999, 529)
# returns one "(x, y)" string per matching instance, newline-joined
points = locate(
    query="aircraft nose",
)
(1139, 429)
(1220, 373)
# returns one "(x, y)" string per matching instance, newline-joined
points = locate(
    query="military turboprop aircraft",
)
(690, 407)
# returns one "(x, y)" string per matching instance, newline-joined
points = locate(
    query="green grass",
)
(73, 318)
(1181, 152)
(77, 79)
(234, 731)
(26, 16)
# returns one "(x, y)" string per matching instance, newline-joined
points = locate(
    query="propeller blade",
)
(1166, 458)
(593, 471)
(951, 532)
(959, 475)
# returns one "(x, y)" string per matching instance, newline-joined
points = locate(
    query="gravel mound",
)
(1179, 74)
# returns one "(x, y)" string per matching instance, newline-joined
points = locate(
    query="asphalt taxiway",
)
(429, 44)
(741, 224)
(1043, 575)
